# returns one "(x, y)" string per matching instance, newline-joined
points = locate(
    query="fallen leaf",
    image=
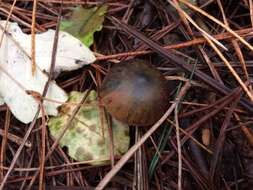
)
(71, 53)
(84, 139)
(84, 22)
(15, 69)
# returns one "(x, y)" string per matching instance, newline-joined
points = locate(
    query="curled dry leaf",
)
(86, 140)
(15, 69)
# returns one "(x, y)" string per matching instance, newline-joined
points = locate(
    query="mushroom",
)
(135, 92)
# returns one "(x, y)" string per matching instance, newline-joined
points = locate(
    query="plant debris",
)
(88, 138)
(15, 69)
(84, 22)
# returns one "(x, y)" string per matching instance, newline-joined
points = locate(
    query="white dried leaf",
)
(16, 75)
(71, 53)
(1, 101)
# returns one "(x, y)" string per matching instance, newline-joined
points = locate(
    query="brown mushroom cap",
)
(135, 93)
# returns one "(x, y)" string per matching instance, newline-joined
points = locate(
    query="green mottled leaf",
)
(84, 22)
(84, 139)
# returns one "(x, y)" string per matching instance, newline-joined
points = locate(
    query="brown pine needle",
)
(222, 36)
(218, 22)
(204, 33)
(207, 37)
(251, 11)
(237, 77)
(235, 43)
(43, 148)
(4, 141)
(7, 21)
(14, 138)
(179, 150)
(191, 137)
(33, 45)
(247, 131)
